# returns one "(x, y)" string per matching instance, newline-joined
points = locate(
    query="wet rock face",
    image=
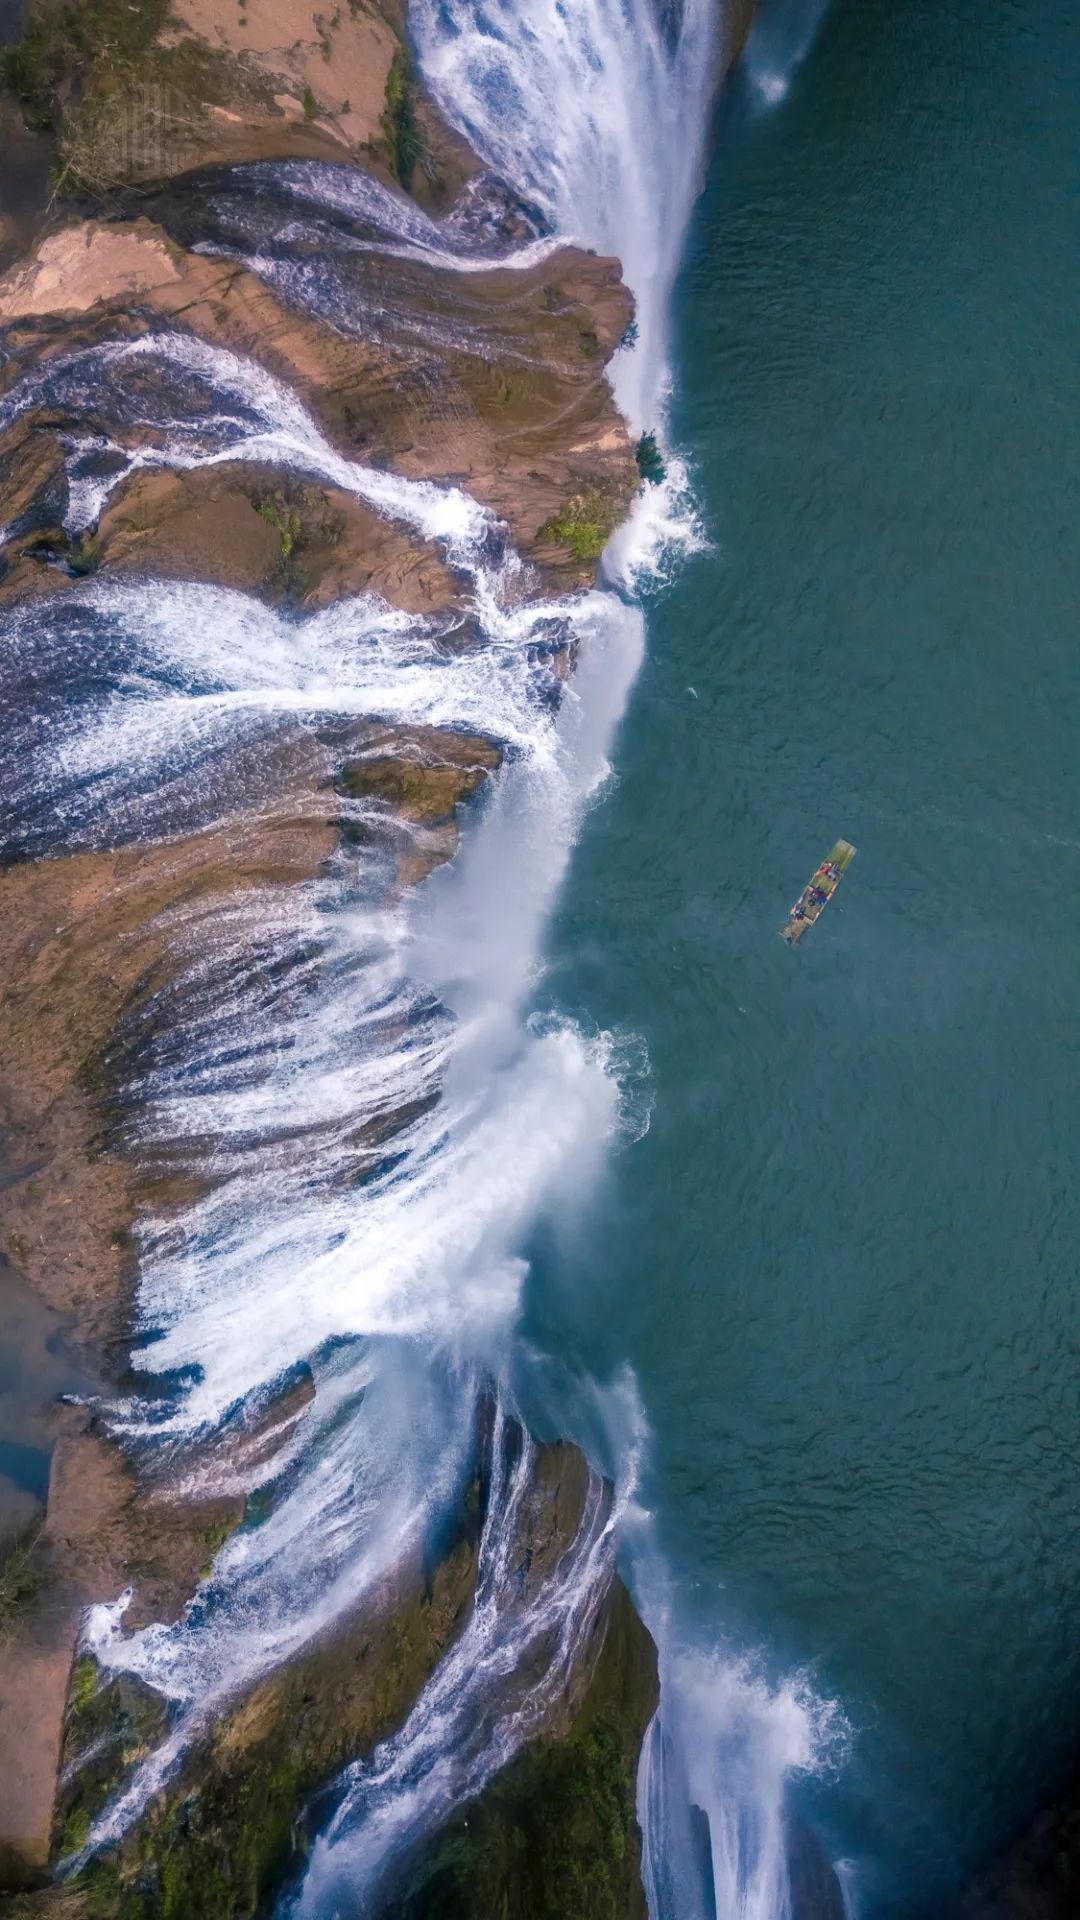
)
(221, 1837)
(494, 380)
(815, 1889)
(556, 1832)
(1038, 1877)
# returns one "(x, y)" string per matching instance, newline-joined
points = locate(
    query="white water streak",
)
(598, 111)
(485, 1699)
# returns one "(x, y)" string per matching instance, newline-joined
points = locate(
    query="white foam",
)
(723, 1749)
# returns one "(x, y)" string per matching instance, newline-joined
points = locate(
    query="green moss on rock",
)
(125, 107)
(584, 523)
(222, 1835)
(555, 1835)
(550, 1840)
(424, 792)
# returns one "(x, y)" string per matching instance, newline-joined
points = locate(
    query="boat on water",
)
(817, 892)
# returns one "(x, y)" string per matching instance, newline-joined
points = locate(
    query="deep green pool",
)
(843, 1262)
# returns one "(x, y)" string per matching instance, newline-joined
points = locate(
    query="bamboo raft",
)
(817, 892)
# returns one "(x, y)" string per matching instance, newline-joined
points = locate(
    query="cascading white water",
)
(399, 1287)
(598, 111)
(409, 1013)
(479, 1707)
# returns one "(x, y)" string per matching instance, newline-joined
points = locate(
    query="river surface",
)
(842, 1261)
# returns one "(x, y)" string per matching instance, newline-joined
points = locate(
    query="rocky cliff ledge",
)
(494, 380)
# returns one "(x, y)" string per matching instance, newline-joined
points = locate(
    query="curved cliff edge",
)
(495, 380)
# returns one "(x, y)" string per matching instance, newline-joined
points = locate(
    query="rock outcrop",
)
(1037, 1877)
(556, 1832)
(494, 380)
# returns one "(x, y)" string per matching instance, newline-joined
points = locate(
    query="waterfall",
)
(489, 1693)
(394, 1277)
(598, 111)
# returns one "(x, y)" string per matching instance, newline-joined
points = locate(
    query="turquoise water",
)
(842, 1263)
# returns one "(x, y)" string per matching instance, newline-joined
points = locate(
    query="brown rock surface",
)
(520, 413)
(222, 1834)
(80, 934)
(196, 81)
(232, 524)
(1037, 1876)
(100, 1528)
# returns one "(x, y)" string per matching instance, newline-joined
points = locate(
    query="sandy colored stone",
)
(73, 269)
(342, 52)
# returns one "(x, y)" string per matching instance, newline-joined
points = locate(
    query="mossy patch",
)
(83, 1684)
(399, 123)
(63, 41)
(422, 793)
(305, 525)
(214, 1538)
(85, 556)
(221, 1836)
(285, 522)
(148, 117)
(555, 1835)
(124, 107)
(552, 1839)
(584, 523)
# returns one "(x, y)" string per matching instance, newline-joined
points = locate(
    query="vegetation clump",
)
(285, 521)
(85, 556)
(64, 38)
(584, 524)
(649, 459)
(400, 126)
(309, 103)
(20, 1582)
(83, 1684)
(124, 107)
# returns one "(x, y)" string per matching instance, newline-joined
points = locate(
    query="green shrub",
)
(650, 465)
(583, 524)
(285, 522)
(310, 104)
(400, 127)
